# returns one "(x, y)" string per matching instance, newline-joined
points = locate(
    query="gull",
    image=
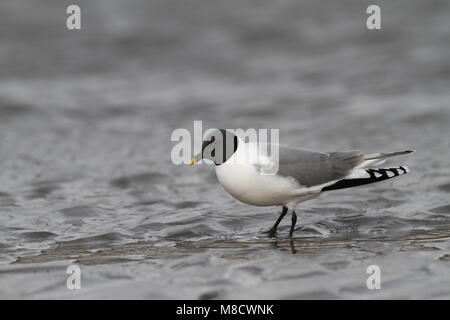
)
(246, 172)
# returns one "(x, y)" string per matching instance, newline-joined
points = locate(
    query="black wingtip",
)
(374, 175)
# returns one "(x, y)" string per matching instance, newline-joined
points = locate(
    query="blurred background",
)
(85, 123)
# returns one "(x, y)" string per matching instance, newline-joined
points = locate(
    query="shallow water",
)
(85, 171)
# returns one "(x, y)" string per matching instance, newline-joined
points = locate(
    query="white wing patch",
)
(377, 174)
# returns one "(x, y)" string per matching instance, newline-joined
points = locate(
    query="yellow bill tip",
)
(192, 162)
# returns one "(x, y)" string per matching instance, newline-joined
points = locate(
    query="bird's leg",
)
(273, 230)
(293, 222)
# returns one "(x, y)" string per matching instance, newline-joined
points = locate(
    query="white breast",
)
(241, 178)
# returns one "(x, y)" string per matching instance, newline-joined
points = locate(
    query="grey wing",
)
(311, 168)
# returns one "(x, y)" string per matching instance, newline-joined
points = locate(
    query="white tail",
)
(379, 158)
(374, 156)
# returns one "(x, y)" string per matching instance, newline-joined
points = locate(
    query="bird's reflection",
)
(277, 244)
(291, 244)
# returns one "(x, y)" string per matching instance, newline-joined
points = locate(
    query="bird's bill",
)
(195, 159)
